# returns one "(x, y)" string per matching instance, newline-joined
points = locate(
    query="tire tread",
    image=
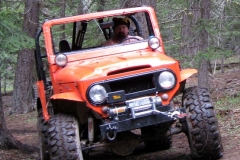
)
(204, 136)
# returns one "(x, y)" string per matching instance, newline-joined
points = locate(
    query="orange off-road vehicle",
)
(116, 97)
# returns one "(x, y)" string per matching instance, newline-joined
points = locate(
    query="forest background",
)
(202, 34)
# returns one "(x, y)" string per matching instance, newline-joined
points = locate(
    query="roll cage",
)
(79, 29)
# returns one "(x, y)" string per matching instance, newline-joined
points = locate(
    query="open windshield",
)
(93, 33)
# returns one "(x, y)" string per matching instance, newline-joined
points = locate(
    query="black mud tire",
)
(42, 135)
(158, 144)
(202, 126)
(63, 138)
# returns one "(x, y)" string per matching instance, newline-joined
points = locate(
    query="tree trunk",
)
(192, 41)
(203, 74)
(101, 5)
(80, 7)
(6, 139)
(62, 14)
(189, 37)
(22, 95)
(203, 69)
(5, 86)
(137, 3)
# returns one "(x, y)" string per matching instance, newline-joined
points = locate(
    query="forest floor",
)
(225, 91)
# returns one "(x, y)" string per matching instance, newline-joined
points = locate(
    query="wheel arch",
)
(186, 73)
(72, 96)
(76, 108)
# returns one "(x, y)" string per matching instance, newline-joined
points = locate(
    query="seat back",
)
(64, 46)
(107, 29)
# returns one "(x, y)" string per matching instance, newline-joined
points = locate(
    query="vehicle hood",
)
(94, 68)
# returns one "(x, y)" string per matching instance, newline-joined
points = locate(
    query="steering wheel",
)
(138, 28)
(129, 39)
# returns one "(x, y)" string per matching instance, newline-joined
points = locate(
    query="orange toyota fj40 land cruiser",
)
(116, 96)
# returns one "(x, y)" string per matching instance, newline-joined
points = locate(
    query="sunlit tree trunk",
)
(204, 66)
(195, 36)
(22, 95)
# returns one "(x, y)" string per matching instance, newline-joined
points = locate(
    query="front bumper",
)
(131, 124)
(110, 130)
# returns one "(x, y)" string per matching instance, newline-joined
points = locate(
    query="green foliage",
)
(14, 40)
(169, 17)
(212, 53)
(11, 29)
(232, 7)
(223, 27)
(228, 102)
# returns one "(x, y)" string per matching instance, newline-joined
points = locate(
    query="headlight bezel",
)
(158, 85)
(59, 63)
(172, 76)
(92, 101)
(153, 42)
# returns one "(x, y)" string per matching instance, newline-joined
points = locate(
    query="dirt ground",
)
(223, 87)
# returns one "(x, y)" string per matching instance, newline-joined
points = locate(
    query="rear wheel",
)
(42, 134)
(203, 131)
(125, 144)
(159, 143)
(64, 141)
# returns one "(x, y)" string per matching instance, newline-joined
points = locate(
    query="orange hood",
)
(94, 68)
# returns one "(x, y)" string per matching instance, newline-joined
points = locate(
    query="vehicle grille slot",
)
(129, 69)
(133, 84)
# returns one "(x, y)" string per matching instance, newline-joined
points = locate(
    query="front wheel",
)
(203, 131)
(42, 135)
(63, 139)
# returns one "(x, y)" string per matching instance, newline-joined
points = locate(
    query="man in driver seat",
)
(121, 32)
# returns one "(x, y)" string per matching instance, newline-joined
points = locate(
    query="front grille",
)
(129, 87)
(133, 84)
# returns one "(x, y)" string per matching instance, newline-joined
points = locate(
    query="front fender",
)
(186, 73)
(73, 96)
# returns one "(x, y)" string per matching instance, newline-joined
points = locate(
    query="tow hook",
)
(182, 115)
(111, 132)
(178, 114)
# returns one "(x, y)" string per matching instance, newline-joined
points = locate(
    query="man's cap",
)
(121, 21)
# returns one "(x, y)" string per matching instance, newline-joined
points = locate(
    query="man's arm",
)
(108, 43)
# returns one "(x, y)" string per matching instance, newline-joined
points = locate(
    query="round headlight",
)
(166, 80)
(154, 43)
(97, 94)
(61, 60)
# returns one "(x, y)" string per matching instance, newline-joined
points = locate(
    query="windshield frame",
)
(48, 24)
